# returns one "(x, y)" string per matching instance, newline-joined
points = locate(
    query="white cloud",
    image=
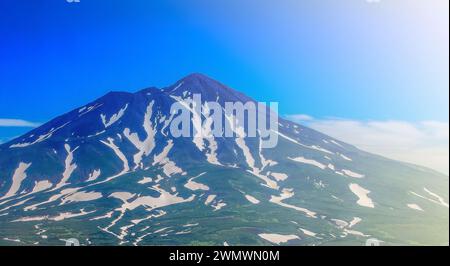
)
(423, 143)
(5, 122)
(300, 117)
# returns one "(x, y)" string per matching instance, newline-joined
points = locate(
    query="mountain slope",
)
(110, 173)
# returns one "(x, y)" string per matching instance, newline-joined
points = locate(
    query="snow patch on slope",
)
(146, 146)
(19, 175)
(169, 167)
(240, 141)
(362, 193)
(192, 185)
(438, 199)
(39, 139)
(317, 148)
(145, 180)
(203, 131)
(57, 218)
(41, 186)
(114, 118)
(352, 174)
(210, 199)
(414, 207)
(286, 194)
(69, 166)
(94, 175)
(277, 238)
(252, 199)
(119, 154)
(82, 197)
(308, 161)
(279, 176)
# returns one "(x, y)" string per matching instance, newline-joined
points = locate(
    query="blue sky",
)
(357, 59)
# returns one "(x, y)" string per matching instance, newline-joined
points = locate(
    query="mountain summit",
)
(111, 172)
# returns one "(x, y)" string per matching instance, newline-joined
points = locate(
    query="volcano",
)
(110, 173)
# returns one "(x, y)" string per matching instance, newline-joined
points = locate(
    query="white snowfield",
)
(211, 153)
(12, 239)
(314, 147)
(252, 199)
(336, 143)
(114, 118)
(178, 86)
(215, 204)
(286, 194)
(160, 158)
(307, 232)
(191, 225)
(352, 174)
(52, 198)
(167, 122)
(354, 232)
(355, 221)
(240, 141)
(203, 131)
(16, 204)
(18, 177)
(82, 109)
(268, 182)
(340, 223)
(362, 193)
(97, 134)
(192, 185)
(164, 199)
(279, 176)
(57, 218)
(414, 207)
(39, 139)
(123, 196)
(346, 227)
(318, 148)
(131, 202)
(265, 162)
(145, 180)
(210, 199)
(161, 230)
(345, 157)
(437, 199)
(308, 161)
(119, 154)
(106, 216)
(41, 186)
(277, 238)
(218, 205)
(82, 197)
(69, 167)
(158, 179)
(87, 109)
(94, 175)
(146, 146)
(169, 167)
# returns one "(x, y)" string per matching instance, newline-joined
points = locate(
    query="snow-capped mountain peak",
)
(115, 167)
